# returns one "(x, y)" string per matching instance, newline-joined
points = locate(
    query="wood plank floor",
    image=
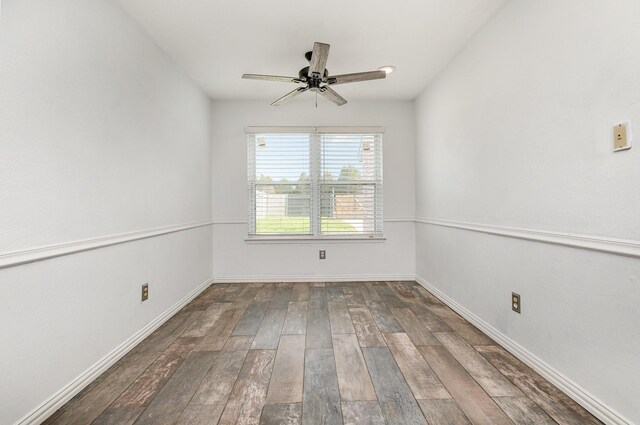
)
(319, 353)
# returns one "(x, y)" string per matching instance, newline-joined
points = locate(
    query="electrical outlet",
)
(515, 302)
(145, 292)
(323, 254)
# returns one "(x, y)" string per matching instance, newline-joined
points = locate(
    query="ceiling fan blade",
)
(277, 78)
(319, 58)
(331, 95)
(358, 76)
(287, 97)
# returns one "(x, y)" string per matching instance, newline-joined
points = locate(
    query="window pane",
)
(282, 198)
(350, 157)
(348, 208)
(282, 157)
(350, 184)
(283, 209)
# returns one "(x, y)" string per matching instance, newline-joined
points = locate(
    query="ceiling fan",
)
(316, 78)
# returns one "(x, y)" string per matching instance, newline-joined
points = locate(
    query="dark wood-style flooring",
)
(319, 353)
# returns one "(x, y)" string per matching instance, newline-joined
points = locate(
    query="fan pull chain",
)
(316, 99)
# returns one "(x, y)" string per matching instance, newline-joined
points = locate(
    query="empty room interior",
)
(344, 212)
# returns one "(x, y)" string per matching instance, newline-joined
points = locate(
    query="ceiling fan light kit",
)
(316, 78)
(388, 69)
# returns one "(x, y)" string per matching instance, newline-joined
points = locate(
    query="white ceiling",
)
(216, 41)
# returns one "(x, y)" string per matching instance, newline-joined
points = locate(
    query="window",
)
(315, 182)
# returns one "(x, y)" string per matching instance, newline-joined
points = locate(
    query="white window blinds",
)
(315, 182)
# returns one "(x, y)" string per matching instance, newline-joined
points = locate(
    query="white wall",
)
(100, 134)
(236, 260)
(516, 132)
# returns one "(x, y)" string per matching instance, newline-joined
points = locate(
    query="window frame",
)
(316, 183)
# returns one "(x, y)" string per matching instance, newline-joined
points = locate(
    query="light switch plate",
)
(622, 136)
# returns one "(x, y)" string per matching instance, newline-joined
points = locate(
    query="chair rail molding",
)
(16, 258)
(614, 246)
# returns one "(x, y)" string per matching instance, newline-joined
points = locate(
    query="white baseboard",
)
(46, 409)
(573, 390)
(313, 278)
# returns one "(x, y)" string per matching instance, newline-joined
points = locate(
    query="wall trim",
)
(399, 220)
(628, 248)
(573, 390)
(614, 246)
(66, 393)
(16, 258)
(314, 278)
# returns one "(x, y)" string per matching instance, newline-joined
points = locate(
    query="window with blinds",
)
(315, 182)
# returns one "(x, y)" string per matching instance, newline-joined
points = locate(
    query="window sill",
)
(310, 240)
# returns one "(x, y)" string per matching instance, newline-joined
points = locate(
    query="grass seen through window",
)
(299, 225)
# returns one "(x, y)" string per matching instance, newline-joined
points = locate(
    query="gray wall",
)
(101, 135)
(515, 135)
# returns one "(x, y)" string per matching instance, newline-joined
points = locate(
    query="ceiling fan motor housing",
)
(313, 80)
